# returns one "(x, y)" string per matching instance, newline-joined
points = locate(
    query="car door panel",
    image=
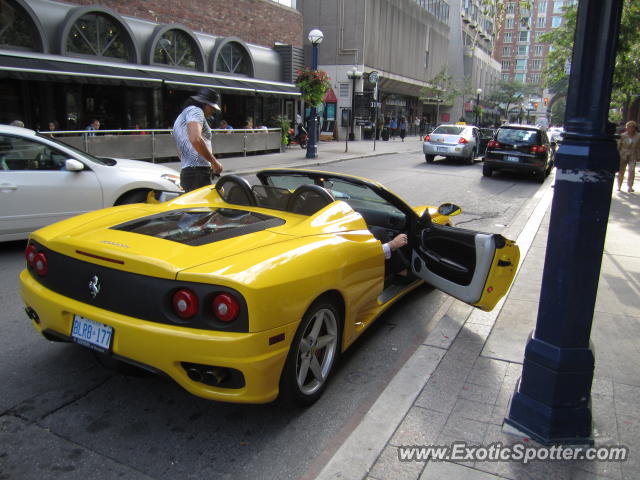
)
(474, 267)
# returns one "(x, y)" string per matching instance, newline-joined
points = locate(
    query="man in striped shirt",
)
(193, 140)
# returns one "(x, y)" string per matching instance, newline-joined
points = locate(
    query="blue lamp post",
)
(315, 37)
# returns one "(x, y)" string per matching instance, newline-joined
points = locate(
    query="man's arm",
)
(398, 241)
(194, 131)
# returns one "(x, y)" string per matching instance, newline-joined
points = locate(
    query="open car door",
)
(474, 267)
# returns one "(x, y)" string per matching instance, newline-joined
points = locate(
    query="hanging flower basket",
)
(313, 85)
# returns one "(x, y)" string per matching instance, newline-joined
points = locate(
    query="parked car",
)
(555, 134)
(242, 293)
(452, 141)
(43, 180)
(486, 135)
(519, 148)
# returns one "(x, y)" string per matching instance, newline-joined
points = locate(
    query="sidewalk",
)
(328, 152)
(458, 383)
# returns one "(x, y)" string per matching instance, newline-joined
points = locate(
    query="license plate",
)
(443, 149)
(91, 334)
(509, 158)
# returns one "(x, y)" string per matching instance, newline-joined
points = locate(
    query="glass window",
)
(506, 51)
(556, 22)
(506, 64)
(521, 64)
(508, 22)
(542, 6)
(511, 8)
(535, 78)
(538, 50)
(98, 35)
(233, 58)
(536, 64)
(518, 136)
(519, 77)
(523, 50)
(16, 28)
(557, 6)
(176, 48)
(542, 22)
(523, 36)
(22, 154)
(344, 90)
(508, 37)
(538, 35)
(505, 76)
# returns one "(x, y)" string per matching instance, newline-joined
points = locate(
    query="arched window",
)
(98, 35)
(233, 58)
(176, 48)
(16, 27)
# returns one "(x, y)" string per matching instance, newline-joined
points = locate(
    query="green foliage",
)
(511, 92)
(626, 78)
(442, 89)
(283, 123)
(557, 111)
(313, 85)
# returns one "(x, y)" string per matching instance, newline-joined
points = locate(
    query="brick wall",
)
(260, 22)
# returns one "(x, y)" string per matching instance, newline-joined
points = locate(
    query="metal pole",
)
(312, 143)
(477, 109)
(552, 401)
(352, 118)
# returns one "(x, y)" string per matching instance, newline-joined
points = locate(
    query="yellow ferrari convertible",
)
(244, 293)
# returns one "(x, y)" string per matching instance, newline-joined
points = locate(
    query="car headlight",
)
(175, 179)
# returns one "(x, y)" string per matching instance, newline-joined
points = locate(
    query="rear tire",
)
(487, 171)
(429, 158)
(313, 354)
(137, 196)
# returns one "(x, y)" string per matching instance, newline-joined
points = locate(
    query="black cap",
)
(208, 96)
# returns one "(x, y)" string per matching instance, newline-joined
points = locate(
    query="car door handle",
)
(7, 187)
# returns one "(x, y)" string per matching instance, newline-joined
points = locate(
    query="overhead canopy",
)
(56, 69)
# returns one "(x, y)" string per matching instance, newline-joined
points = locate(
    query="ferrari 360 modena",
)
(246, 293)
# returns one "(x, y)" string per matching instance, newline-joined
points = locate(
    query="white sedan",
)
(452, 141)
(43, 181)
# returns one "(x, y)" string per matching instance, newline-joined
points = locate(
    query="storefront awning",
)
(56, 69)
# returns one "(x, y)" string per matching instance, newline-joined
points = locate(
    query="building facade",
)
(405, 41)
(133, 64)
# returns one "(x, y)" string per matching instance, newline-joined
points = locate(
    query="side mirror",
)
(73, 165)
(449, 209)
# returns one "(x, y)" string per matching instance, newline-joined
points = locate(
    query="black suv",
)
(519, 148)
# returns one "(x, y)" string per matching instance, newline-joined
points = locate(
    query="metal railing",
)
(155, 144)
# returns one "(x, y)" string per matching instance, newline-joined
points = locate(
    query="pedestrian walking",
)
(193, 140)
(629, 150)
(393, 127)
(92, 127)
(402, 126)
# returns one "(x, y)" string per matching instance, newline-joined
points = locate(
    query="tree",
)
(626, 78)
(441, 90)
(510, 92)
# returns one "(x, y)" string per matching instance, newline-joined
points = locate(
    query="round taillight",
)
(30, 254)
(225, 307)
(463, 140)
(427, 138)
(40, 264)
(185, 303)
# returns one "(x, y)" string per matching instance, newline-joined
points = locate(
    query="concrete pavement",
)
(458, 384)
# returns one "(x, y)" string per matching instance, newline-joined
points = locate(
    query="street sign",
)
(373, 77)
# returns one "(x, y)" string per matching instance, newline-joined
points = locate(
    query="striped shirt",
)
(189, 157)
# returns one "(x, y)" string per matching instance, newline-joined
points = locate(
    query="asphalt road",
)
(63, 415)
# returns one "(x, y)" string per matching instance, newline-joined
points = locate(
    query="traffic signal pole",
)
(552, 400)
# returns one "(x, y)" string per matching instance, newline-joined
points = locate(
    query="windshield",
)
(449, 130)
(77, 151)
(518, 135)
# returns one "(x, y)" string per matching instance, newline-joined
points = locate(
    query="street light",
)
(353, 75)
(478, 92)
(315, 37)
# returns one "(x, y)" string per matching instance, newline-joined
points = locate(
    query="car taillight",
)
(225, 307)
(41, 264)
(185, 303)
(493, 144)
(538, 149)
(30, 254)
(463, 140)
(427, 138)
